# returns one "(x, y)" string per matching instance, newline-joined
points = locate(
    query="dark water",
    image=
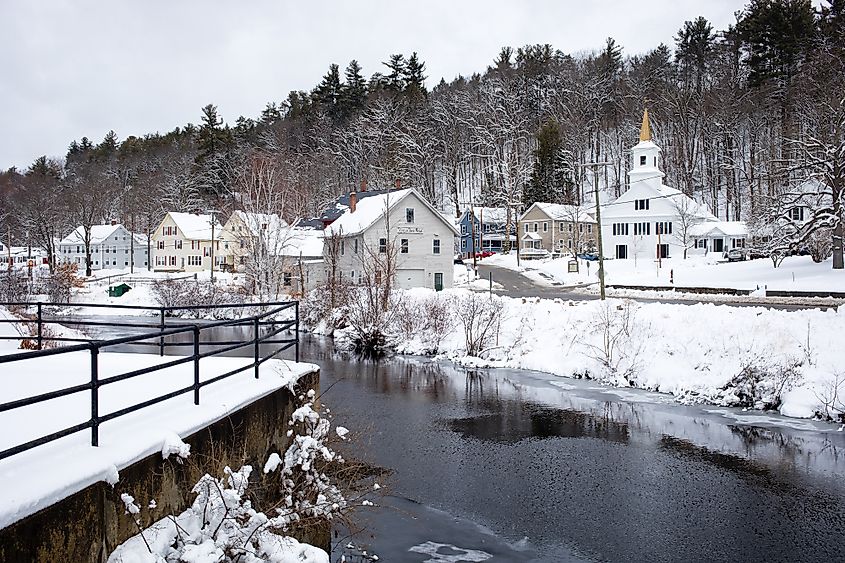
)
(526, 466)
(585, 472)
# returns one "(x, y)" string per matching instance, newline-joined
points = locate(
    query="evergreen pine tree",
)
(354, 91)
(543, 185)
(694, 50)
(395, 81)
(328, 92)
(415, 79)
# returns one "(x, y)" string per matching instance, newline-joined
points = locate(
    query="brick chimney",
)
(364, 185)
(353, 201)
(398, 183)
(113, 222)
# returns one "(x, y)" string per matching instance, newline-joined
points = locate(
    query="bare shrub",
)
(428, 321)
(14, 285)
(618, 349)
(61, 282)
(479, 316)
(831, 398)
(370, 321)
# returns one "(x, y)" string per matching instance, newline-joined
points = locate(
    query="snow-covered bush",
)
(761, 383)
(318, 314)
(222, 525)
(820, 245)
(182, 293)
(371, 315)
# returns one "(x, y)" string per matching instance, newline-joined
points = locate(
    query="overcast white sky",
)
(74, 68)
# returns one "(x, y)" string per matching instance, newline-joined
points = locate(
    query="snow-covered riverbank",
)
(699, 353)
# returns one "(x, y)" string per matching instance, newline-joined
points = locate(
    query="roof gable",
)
(371, 209)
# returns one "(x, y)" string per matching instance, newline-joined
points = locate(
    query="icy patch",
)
(455, 554)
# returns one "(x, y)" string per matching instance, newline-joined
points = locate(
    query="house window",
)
(161, 245)
(621, 229)
(287, 279)
(545, 226)
(589, 228)
(194, 260)
(463, 229)
(640, 204)
(580, 227)
(177, 244)
(342, 247)
(382, 245)
(525, 229)
(642, 161)
(409, 214)
(355, 247)
(435, 248)
(535, 227)
(404, 246)
(172, 260)
(796, 213)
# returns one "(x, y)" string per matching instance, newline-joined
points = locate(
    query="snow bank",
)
(699, 353)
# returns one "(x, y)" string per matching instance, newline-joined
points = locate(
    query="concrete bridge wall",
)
(88, 525)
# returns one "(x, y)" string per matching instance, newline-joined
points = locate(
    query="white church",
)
(652, 220)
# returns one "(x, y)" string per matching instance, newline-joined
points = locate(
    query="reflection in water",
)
(516, 421)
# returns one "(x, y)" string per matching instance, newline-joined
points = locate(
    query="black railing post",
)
(161, 339)
(40, 334)
(95, 390)
(296, 335)
(196, 364)
(257, 343)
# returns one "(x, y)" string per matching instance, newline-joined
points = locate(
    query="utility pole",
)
(211, 212)
(595, 165)
(472, 246)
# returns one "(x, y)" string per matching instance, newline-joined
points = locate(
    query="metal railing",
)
(266, 319)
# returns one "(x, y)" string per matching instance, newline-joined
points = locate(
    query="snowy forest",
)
(745, 116)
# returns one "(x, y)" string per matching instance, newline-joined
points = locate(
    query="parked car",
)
(754, 253)
(737, 255)
(484, 254)
(589, 256)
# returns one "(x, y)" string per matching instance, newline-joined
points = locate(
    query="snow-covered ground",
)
(704, 353)
(38, 481)
(796, 273)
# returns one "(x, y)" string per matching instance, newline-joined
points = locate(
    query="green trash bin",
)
(118, 290)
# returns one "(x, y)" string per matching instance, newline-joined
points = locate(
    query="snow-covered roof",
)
(531, 236)
(727, 228)
(489, 214)
(256, 222)
(562, 212)
(305, 242)
(99, 233)
(196, 227)
(366, 213)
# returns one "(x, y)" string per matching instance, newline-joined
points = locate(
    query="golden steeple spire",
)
(645, 130)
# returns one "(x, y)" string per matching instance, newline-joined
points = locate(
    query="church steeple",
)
(645, 168)
(645, 129)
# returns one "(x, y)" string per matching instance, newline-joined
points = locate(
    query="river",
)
(507, 465)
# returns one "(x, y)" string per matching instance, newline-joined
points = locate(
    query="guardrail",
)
(266, 319)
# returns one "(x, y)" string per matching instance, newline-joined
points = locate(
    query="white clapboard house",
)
(402, 219)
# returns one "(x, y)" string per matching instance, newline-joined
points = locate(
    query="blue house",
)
(489, 230)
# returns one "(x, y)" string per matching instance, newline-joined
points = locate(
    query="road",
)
(515, 284)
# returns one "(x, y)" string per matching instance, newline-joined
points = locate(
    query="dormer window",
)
(409, 214)
(642, 160)
(797, 213)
